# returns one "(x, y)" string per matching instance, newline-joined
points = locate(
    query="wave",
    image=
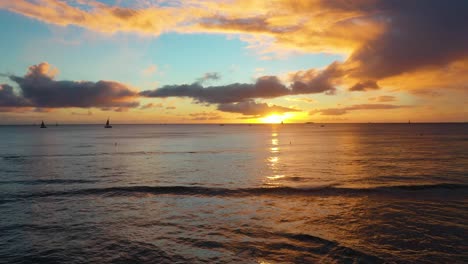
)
(47, 181)
(261, 191)
(273, 245)
(278, 246)
(21, 157)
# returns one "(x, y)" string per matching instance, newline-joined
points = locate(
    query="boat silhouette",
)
(43, 125)
(107, 124)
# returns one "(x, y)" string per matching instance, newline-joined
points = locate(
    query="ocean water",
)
(294, 193)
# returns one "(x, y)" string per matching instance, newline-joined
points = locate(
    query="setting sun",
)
(273, 119)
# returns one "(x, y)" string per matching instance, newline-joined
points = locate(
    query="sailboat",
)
(43, 125)
(107, 124)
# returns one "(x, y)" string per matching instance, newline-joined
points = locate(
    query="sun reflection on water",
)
(273, 160)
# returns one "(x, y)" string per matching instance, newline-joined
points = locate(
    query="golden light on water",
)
(273, 160)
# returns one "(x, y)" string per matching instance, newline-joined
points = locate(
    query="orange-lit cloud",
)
(150, 69)
(303, 99)
(383, 98)
(100, 17)
(309, 25)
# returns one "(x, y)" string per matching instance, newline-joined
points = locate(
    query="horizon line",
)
(221, 123)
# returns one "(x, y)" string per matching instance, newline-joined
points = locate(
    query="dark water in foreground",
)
(369, 193)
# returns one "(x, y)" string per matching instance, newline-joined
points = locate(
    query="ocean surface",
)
(293, 193)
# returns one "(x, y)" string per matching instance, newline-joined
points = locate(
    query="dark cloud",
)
(364, 86)
(89, 113)
(151, 105)
(209, 76)
(240, 98)
(253, 108)
(42, 110)
(8, 98)
(419, 34)
(265, 87)
(313, 81)
(249, 24)
(39, 89)
(345, 110)
(204, 116)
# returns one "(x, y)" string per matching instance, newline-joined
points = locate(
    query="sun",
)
(273, 119)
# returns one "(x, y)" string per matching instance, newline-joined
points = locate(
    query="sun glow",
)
(273, 119)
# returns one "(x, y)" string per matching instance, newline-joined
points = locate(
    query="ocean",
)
(293, 193)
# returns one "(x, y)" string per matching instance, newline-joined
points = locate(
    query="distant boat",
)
(309, 123)
(409, 121)
(56, 124)
(107, 124)
(221, 124)
(43, 125)
(282, 122)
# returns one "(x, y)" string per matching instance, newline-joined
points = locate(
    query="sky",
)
(233, 61)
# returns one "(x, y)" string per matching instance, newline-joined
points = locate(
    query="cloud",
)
(345, 110)
(265, 87)
(101, 17)
(383, 98)
(314, 81)
(151, 105)
(309, 25)
(240, 98)
(364, 86)
(9, 99)
(89, 113)
(419, 34)
(204, 116)
(42, 110)
(150, 69)
(382, 39)
(302, 99)
(253, 108)
(39, 89)
(418, 44)
(209, 76)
